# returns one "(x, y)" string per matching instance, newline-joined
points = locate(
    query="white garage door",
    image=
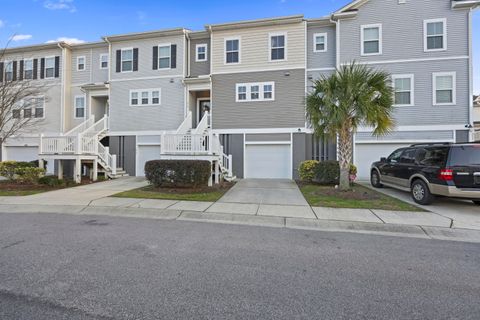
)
(22, 153)
(144, 154)
(366, 154)
(268, 161)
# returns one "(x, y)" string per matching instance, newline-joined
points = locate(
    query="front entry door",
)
(203, 106)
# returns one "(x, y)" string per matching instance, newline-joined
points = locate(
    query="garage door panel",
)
(146, 153)
(265, 161)
(366, 154)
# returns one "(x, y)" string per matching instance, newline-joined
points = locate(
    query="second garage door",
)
(146, 153)
(366, 154)
(268, 161)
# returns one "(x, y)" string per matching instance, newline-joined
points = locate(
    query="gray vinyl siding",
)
(145, 57)
(462, 136)
(402, 26)
(267, 137)
(92, 72)
(287, 111)
(313, 76)
(70, 108)
(446, 135)
(99, 75)
(199, 68)
(321, 59)
(424, 112)
(300, 152)
(167, 116)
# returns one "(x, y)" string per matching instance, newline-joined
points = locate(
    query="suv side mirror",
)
(383, 159)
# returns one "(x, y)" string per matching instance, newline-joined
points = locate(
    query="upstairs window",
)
(104, 61)
(146, 97)
(38, 105)
(435, 34)
(28, 69)
(277, 47)
(9, 71)
(134, 98)
(201, 55)
(232, 51)
(49, 67)
(267, 91)
(444, 88)
(242, 93)
(79, 107)
(320, 42)
(155, 97)
(127, 60)
(164, 56)
(403, 86)
(264, 91)
(371, 39)
(16, 113)
(80, 63)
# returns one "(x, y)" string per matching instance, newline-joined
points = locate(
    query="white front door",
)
(268, 161)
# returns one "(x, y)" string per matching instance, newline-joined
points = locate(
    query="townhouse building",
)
(234, 93)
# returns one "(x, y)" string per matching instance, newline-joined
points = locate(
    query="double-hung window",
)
(81, 63)
(232, 51)
(28, 69)
(164, 56)
(264, 91)
(144, 100)
(155, 97)
(49, 67)
(9, 71)
(404, 89)
(371, 39)
(201, 52)
(104, 61)
(127, 60)
(444, 88)
(146, 97)
(435, 33)
(278, 44)
(79, 107)
(134, 98)
(38, 105)
(320, 42)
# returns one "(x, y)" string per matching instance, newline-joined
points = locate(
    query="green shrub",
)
(353, 169)
(307, 170)
(178, 173)
(327, 172)
(29, 175)
(51, 181)
(9, 169)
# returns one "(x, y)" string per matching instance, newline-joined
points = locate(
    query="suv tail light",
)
(446, 175)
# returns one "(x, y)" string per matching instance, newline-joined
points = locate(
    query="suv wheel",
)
(420, 193)
(375, 179)
(477, 202)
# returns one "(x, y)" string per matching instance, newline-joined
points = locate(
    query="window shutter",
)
(35, 69)
(173, 60)
(20, 74)
(1, 71)
(57, 66)
(42, 68)
(119, 61)
(135, 59)
(14, 69)
(155, 58)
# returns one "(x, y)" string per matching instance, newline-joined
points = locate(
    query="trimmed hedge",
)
(327, 172)
(10, 169)
(306, 170)
(178, 173)
(51, 181)
(30, 175)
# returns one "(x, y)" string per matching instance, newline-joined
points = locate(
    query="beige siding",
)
(254, 48)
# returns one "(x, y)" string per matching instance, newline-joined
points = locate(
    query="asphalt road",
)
(84, 267)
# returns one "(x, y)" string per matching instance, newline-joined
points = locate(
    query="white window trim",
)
(121, 60)
(285, 47)
(150, 97)
(202, 45)
(454, 89)
(315, 35)
(225, 51)
(108, 61)
(84, 63)
(169, 45)
(44, 109)
(260, 92)
(380, 39)
(75, 107)
(25, 70)
(425, 42)
(5, 64)
(412, 88)
(45, 70)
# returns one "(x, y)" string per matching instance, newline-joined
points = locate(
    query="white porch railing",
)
(97, 128)
(81, 127)
(172, 143)
(58, 144)
(110, 160)
(203, 125)
(186, 124)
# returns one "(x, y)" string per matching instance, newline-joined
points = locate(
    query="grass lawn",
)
(202, 194)
(359, 197)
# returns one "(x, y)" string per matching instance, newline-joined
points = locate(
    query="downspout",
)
(62, 86)
(109, 78)
(470, 78)
(337, 65)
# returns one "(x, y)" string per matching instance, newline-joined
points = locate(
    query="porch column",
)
(217, 173)
(210, 180)
(41, 163)
(95, 170)
(77, 175)
(60, 169)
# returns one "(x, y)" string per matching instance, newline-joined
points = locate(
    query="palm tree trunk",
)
(345, 157)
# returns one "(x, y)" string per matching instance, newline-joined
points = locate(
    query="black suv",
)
(429, 170)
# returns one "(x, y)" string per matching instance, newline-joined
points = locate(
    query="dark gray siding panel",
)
(287, 111)
(199, 68)
(268, 137)
(299, 152)
(125, 151)
(233, 144)
(462, 136)
(321, 59)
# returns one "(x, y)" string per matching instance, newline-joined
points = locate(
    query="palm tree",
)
(353, 96)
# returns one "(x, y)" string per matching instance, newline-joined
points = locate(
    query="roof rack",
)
(432, 144)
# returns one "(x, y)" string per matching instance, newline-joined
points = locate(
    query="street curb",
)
(227, 218)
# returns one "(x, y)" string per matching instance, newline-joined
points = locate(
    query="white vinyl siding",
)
(251, 92)
(79, 107)
(320, 42)
(127, 60)
(371, 39)
(201, 53)
(164, 56)
(444, 88)
(232, 51)
(145, 97)
(278, 47)
(435, 34)
(404, 89)
(81, 63)
(49, 67)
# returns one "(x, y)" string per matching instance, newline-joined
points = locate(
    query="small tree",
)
(17, 94)
(354, 95)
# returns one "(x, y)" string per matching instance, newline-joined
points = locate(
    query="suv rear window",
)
(432, 156)
(465, 156)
